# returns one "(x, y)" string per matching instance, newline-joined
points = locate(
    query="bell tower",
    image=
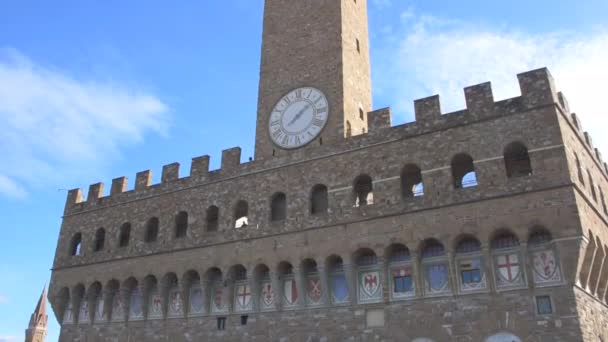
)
(36, 331)
(316, 51)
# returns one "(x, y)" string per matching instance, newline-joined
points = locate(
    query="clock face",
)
(298, 118)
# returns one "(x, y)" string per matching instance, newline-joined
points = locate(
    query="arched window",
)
(517, 160)
(84, 314)
(125, 235)
(508, 264)
(100, 240)
(194, 291)
(411, 181)
(136, 311)
(266, 297)
(66, 305)
(545, 265)
(218, 295)
(278, 207)
(314, 291)
(592, 186)
(119, 306)
(400, 272)
(318, 200)
(175, 300)
(435, 265)
(603, 202)
(75, 245)
(463, 171)
(579, 169)
(96, 298)
(212, 217)
(363, 191)
(154, 299)
(242, 291)
(181, 224)
(349, 129)
(337, 278)
(151, 230)
(368, 274)
(291, 295)
(240, 214)
(469, 265)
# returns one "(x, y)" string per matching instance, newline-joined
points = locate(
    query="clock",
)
(298, 118)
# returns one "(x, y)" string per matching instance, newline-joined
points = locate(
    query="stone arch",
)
(263, 288)
(114, 300)
(579, 169)
(218, 291)
(319, 203)
(363, 191)
(517, 160)
(400, 271)
(503, 337)
(134, 300)
(433, 256)
(509, 265)
(95, 301)
(470, 272)
(278, 207)
(338, 283)
(65, 306)
(153, 303)
(411, 181)
(592, 186)
(602, 289)
(313, 290)
(173, 295)
(463, 171)
(193, 293)
(79, 303)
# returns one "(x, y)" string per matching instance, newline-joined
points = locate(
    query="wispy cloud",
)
(430, 55)
(57, 126)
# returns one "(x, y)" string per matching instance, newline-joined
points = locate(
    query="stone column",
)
(417, 273)
(125, 294)
(277, 288)
(185, 290)
(206, 293)
(229, 287)
(488, 269)
(452, 277)
(384, 278)
(325, 286)
(300, 285)
(526, 265)
(255, 290)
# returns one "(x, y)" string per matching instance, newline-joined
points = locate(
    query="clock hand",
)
(299, 115)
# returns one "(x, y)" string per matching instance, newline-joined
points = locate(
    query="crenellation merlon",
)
(170, 173)
(143, 180)
(563, 101)
(74, 198)
(199, 167)
(231, 159)
(537, 88)
(427, 110)
(576, 121)
(479, 99)
(95, 192)
(379, 119)
(588, 140)
(598, 154)
(119, 185)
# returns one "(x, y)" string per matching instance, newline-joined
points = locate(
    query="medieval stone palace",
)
(486, 224)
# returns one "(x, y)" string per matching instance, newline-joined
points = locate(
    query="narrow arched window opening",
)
(435, 266)
(213, 215)
(592, 186)
(411, 181)
(100, 240)
(151, 234)
(463, 171)
(579, 169)
(468, 262)
(603, 202)
(278, 207)
(319, 200)
(363, 191)
(517, 160)
(181, 224)
(75, 245)
(240, 214)
(349, 129)
(125, 235)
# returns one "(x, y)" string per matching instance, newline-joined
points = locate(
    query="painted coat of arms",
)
(546, 269)
(369, 286)
(219, 303)
(290, 292)
(100, 310)
(135, 307)
(175, 303)
(242, 297)
(314, 290)
(509, 272)
(68, 318)
(196, 300)
(156, 305)
(118, 308)
(84, 316)
(437, 278)
(339, 289)
(267, 296)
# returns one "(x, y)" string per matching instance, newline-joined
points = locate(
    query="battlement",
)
(537, 90)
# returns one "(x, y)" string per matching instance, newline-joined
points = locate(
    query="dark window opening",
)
(349, 129)
(221, 323)
(402, 284)
(544, 305)
(517, 160)
(363, 191)
(361, 114)
(463, 171)
(358, 46)
(592, 185)
(75, 245)
(579, 170)
(468, 245)
(432, 248)
(470, 276)
(411, 182)
(151, 230)
(181, 224)
(319, 200)
(125, 235)
(505, 240)
(213, 214)
(539, 238)
(278, 207)
(240, 214)
(244, 319)
(100, 239)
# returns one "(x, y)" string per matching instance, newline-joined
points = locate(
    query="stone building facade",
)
(36, 330)
(486, 224)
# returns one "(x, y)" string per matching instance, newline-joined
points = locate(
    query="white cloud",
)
(429, 55)
(55, 126)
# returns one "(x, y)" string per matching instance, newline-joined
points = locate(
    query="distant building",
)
(487, 224)
(36, 331)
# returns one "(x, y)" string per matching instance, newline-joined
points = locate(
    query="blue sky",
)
(93, 90)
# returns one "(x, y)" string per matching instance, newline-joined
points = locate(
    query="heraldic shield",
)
(290, 292)
(68, 318)
(118, 308)
(196, 300)
(339, 289)
(509, 271)
(242, 297)
(84, 315)
(175, 303)
(100, 310)
(266, 296)
(314, 290)
(546, 269)
(437, 278)
(156, 305)
(135, 307)
(219, 302)
(369, 286)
